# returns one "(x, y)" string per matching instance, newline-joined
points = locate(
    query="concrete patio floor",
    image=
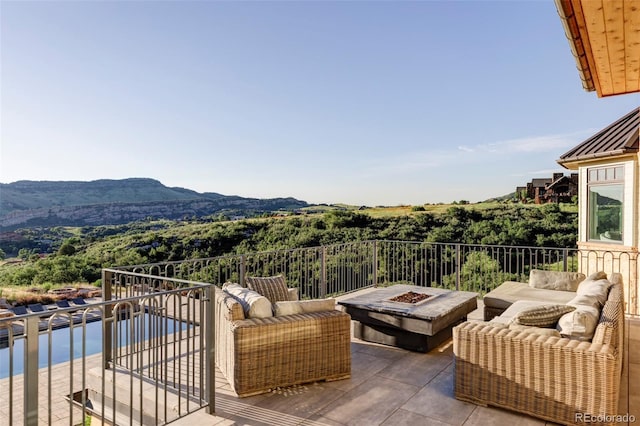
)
(388, 386)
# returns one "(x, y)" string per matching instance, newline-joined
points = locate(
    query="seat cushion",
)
(510, 292)
(273, 288)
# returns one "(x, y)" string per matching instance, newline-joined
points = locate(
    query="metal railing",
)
(156, 357)
(139, 359)
(341, 268)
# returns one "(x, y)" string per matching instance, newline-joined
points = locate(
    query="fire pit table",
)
(407, 316)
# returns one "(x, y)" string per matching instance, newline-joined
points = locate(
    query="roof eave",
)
(573, 162)
(577, 43)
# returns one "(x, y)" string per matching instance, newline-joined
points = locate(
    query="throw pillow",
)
(600, 275)
(535, 330)
(580, 324)
(542, 316)
(293, 294)
(595, 287)
(304, 306)
(253, 304)
(273, 288)
(555, 280)
(584, 300)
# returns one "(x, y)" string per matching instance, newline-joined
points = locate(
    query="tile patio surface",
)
(388, 386)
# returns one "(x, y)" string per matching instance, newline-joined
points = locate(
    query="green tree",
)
(67, 249)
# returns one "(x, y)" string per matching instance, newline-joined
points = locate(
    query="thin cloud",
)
(466, 148)
(545, 143)
(465, 154)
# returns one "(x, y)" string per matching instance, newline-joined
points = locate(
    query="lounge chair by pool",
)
(79, 301)
(19, 310)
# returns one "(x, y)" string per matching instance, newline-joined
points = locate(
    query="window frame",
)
(603, 176)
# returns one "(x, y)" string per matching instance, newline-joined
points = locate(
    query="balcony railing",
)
(341, 268)
(155, 354)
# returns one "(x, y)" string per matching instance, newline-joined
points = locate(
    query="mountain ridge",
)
(115, 201)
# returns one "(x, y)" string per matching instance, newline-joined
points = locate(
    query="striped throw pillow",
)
(542, 316)
(273, 288)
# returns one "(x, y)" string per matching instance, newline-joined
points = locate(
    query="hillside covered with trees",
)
(78, 254)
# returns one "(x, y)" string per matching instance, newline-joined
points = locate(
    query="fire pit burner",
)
(410, 297)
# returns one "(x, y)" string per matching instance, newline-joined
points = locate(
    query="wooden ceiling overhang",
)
(604, 36)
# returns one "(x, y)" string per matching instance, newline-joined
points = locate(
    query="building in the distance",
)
(558, 189)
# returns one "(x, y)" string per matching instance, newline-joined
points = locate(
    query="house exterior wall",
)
(611, 257)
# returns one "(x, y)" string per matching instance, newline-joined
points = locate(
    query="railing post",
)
(565, 259)
(323, 272)
(107, 295)
(458, 267)
(375, 263)
(210, 347)
(31, 371)
(242, 269)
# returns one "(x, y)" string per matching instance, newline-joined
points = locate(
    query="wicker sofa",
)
(259, 354)
(554, 378)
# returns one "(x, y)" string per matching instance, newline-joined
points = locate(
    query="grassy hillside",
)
(78, 254)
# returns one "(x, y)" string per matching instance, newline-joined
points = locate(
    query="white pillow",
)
(584, 300)
(555, 280)
(580, 324)
(304, 306)
(253, 303)
(595, 287)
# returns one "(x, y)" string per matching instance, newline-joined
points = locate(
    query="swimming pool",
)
(61, 341)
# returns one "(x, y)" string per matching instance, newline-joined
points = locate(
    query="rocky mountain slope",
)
(104, 202)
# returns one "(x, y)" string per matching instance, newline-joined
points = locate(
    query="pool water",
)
(61, 341)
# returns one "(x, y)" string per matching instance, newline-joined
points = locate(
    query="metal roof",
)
(618, 138)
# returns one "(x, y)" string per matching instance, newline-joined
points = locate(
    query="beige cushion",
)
(253, 304)
(293, 293)
(304, 306)
(542, 316)
(600, 275)
(555, 280)
(584, 300)
(510, 292)
(273, 288)
(535, 330)
(596, 286)
(579, 324)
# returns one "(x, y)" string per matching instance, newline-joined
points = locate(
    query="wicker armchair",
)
(557, 379)
(259, 354)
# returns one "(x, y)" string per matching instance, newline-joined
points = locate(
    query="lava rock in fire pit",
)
(411, 297)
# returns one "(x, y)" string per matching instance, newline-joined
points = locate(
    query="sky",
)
(357, 102)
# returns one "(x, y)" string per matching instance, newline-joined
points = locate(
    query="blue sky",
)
(376, 103)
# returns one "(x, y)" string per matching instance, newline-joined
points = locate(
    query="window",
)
(605, 200)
